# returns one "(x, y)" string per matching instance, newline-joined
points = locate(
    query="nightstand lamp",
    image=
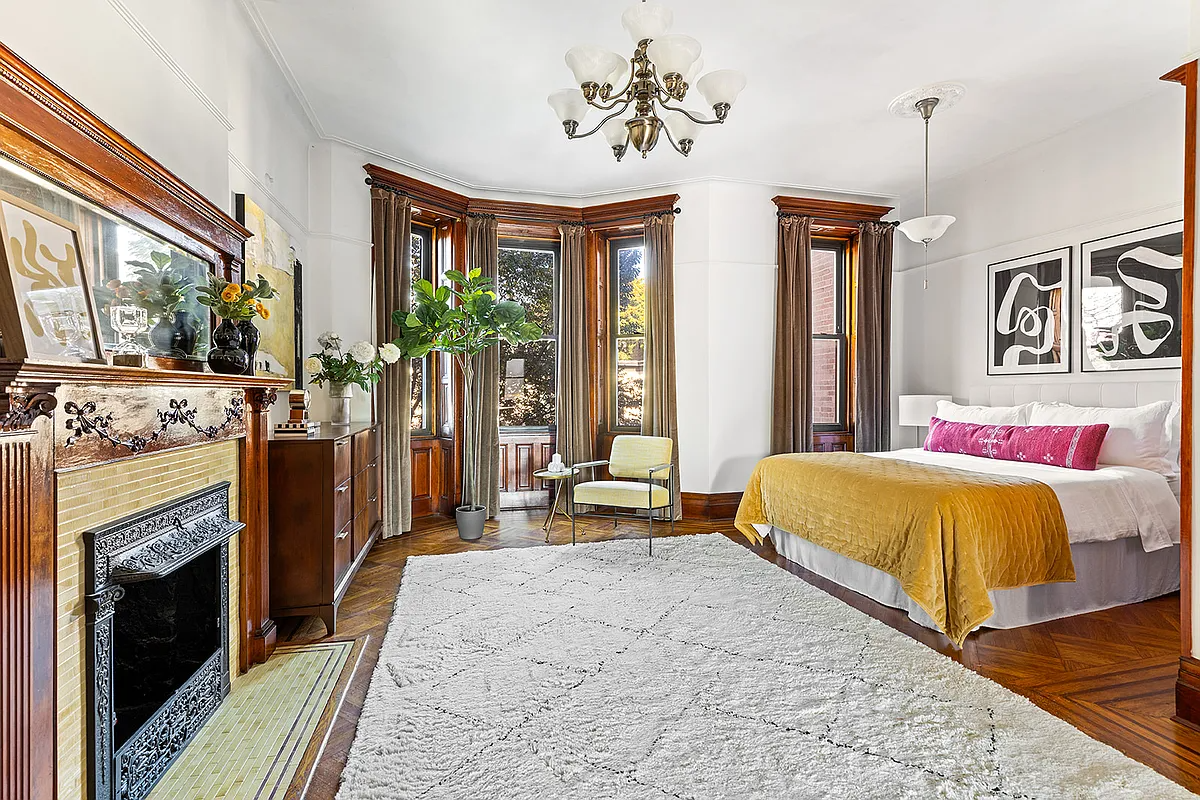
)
(916, 409)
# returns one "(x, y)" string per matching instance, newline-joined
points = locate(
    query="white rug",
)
(703, 672)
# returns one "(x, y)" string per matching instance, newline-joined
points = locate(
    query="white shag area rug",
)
(594, 672)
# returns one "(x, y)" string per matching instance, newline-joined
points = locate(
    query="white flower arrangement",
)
(360, 365)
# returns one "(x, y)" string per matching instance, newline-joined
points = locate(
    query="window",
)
(421, 251)
(831, 344)
(528, 274)
(627, 326)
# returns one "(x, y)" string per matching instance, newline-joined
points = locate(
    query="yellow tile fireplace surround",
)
(91, 497)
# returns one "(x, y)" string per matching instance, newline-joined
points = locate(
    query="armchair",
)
(646, 461)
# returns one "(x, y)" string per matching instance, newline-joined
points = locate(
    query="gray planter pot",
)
(470, 522)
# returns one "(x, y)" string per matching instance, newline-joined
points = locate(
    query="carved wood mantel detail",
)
(258, 629)
(24, 407)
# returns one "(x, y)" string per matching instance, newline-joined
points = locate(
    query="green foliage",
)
(478, 321)
(160, 286)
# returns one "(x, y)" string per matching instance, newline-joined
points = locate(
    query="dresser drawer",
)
(362, 490)
(362, 532)
(341, 460)
(365, 447)
(343, 510)
(342, 551)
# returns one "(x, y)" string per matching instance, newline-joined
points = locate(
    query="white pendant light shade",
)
(694, 70)
(721, 86)
(568, 104)
(673, 53)
(592, 64)
(619, 76)
(646, 21)
(924, 230)
(681, 128)
(614, 132)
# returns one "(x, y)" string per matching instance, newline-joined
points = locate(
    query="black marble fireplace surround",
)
(157, 586)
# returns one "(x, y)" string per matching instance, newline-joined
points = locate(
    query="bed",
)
(1122, 525)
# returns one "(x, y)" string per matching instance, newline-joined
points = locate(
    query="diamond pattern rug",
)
(595, 671)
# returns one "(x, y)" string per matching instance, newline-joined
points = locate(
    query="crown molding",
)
(268, 41)
(830, 210)
(161, 52)
(262, 187)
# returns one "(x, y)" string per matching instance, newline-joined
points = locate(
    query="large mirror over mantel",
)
(142, 288)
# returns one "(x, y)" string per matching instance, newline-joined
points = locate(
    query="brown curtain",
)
(483, 253)
(390, 232)
(573, 411)
(659, 410)
(872, 352)
(791, 389)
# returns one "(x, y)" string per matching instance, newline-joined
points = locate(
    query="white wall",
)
(1116, 173)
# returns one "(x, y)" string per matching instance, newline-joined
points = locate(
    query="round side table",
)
(559, 479)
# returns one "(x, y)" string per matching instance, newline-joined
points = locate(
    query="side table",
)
(559, 479)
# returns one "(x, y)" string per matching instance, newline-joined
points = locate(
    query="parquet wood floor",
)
(1110, 673)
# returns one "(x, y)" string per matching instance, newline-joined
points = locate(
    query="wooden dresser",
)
(325, 515)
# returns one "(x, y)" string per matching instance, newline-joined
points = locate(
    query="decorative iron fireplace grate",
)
(158, 637)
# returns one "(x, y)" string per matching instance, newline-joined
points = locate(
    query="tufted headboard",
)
(1121, 394)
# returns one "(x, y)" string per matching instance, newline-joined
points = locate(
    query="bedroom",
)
(680, 317)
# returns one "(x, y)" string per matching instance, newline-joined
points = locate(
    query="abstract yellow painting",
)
(269, 253)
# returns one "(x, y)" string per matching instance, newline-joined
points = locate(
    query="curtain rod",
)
(839, 223)
(519, 218)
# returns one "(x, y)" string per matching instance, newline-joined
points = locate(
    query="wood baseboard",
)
(1187, 692)
(723, 505)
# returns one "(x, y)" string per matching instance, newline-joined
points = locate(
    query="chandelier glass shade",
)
(654, 84)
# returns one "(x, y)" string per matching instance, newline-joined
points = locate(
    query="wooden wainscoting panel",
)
(722, 505)
(521, 454)
(833, 442)
(27, 608)
(426, 476)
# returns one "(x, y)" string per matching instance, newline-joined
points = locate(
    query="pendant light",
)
(921, 103)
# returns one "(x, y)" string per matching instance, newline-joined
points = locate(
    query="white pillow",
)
(983, 415)
(1137, 437)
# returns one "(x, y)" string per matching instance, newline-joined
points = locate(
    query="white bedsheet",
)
(1099, 505)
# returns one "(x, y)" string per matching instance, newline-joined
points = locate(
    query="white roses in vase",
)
(361, 364)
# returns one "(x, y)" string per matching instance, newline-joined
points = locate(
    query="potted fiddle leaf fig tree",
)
(465, 319)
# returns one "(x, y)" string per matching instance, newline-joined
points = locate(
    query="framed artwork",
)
(269, 253)
(46, 305)
(1131, 300)
(1029, 314)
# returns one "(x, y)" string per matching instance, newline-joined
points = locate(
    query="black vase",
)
(250, 338)
(187, 331)
(162, 336)
(227, 356)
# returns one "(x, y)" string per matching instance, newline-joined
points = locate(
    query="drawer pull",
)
(343, 488)
(344, 534)
(372, 498)
(340, 443)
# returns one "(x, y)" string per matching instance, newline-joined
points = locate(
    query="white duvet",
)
(1099, 506)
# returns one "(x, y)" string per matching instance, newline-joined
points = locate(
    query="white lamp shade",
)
(619, 76)
(646, 21)
(680, 127)
(924, 230)
(592, 64)
(614, 132)
(721, 86)
(916, 409)
(693, 71)
(568, 104)
(673, 53)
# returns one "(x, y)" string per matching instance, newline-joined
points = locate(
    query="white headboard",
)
(1112, 394)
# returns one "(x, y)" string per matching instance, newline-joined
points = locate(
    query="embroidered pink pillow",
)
(1071, 446)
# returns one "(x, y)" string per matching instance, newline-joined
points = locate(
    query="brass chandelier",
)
(660, 72)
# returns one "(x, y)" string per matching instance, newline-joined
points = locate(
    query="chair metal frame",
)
(614, 516)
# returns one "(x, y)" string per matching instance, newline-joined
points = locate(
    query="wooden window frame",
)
(844, 337)
(429, 371)
(613, 244)
(555, 246)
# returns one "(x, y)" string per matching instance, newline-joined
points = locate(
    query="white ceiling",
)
(458, 87)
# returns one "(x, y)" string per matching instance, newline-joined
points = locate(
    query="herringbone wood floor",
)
(1111, 673)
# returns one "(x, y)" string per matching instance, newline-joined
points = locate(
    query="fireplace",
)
(157, 585)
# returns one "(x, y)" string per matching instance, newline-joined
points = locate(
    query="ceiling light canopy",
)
(921, 103)
(660, 73)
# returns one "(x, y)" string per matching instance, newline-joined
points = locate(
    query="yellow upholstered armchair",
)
(646, 460)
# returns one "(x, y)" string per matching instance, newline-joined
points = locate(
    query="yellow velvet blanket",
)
(947, 535)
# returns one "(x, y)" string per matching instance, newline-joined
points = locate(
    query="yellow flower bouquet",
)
(237, 301)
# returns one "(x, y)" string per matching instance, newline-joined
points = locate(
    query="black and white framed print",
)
(1029, 311)
(1130, 300)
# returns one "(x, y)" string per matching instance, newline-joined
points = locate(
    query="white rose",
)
(329, 341)
(362, 352)
(389, 353)
(312, 365)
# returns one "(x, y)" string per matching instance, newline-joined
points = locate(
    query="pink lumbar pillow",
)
(1071, 446)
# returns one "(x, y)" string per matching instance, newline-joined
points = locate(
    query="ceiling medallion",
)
(661, 71)
(921, 103)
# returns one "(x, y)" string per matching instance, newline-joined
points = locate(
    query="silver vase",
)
(339, 397)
